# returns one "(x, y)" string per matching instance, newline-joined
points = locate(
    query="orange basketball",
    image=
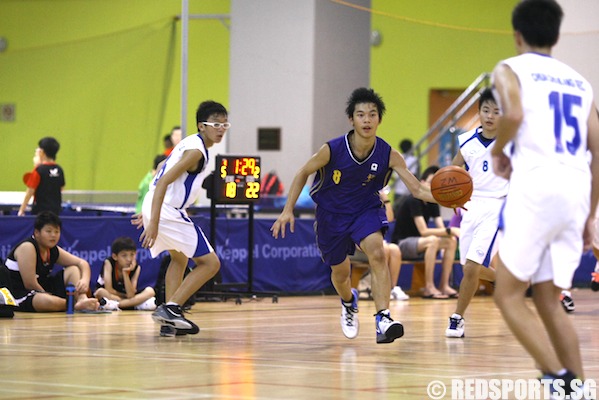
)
(452, 186)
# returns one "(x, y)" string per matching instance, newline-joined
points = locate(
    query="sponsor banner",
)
(292, 264)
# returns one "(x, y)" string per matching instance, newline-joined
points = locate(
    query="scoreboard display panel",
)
(237, 179)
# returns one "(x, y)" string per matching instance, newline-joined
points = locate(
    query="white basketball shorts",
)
(543, 220)
(176, 231)
(479, 230)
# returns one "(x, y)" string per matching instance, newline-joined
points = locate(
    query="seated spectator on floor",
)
(116, 287)
(30, 264)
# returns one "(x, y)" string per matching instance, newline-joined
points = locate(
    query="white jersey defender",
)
(479, 226)
(549, 195)
(177, 230)
(476, 152)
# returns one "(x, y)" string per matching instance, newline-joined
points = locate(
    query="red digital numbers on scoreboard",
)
(237, 179)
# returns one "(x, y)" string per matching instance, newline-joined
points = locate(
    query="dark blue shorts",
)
(338, 234)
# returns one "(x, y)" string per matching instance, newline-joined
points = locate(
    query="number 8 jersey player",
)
(350, 172)
(167, 226)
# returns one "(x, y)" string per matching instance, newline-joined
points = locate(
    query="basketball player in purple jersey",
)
(350, 171)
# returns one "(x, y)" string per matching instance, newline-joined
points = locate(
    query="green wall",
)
(432, 44)
(103, 76)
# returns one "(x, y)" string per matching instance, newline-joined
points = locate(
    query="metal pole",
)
(184, 40)
(185, 17)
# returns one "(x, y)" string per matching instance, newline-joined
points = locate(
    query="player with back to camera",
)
(548, 112)
(46, 181)
(480, 216)
(168, 227)
(350, 172)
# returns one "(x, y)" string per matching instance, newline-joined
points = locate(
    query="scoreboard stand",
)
(236, 182)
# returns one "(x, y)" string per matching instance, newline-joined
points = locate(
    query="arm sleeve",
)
(34, 179)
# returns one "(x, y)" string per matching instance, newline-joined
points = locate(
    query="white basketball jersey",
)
(185, 190)
(557, 101)
(476, 151)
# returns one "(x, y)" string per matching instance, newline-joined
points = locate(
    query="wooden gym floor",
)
(293, 349)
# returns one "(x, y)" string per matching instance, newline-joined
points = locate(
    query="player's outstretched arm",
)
(317, 161)
(28, 195)
(417, 188)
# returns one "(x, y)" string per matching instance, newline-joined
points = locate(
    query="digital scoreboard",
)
(237, 179)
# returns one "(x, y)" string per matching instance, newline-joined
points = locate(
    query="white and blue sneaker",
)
(349, 320)
(456, 327)
(387, 330)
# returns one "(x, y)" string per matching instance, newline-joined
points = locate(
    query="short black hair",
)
(364, 95)
(158, 159)
(486, 95)
(47, 218)
(209, 108)
(50, 146)
(538, 21)
(405, 145)
(429, 171)
(123, 243)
